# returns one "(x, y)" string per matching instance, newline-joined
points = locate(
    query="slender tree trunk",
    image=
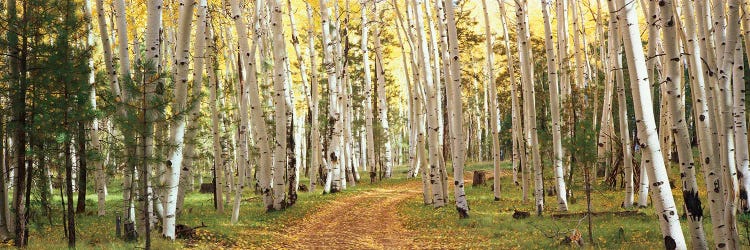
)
(425, 69)
(740, 118)
(280, 172)
(555, 109)
(674, 74)
(490, 85)
(530, 133)
(663, 202)
(515, 109)
(178, 126)
(315, 159)
(214, 91)
(201, 37)
(453, 89)
(368, 86)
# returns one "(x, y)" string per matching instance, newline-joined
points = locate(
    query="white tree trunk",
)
(492, 89)
(518, 152)
(250, 91)
(201, 36)
(214, 91)
(425, 70)
(315, 149)
(115, 87)
(334, 110)
(177, 128)
(453, 89)
(663, 202)
(382, 105)
(280, 171)
(740, 118)
(527, 69)
(557, 161)
(368, 87)
(674, 73)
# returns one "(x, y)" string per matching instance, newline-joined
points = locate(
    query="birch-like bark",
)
(518, 148)
(383, 104)
(455, 106)
(741, 129)
(552, 78)
(726, 127)
(615, 73)
(605, 134)
(315, 149)
(280, 171)
(664, 202)
(334, 110)
(368, 86)
(674, 93)
(250, 91)
(425, 70)
(492, 92)
(178, 126)
(201, 36)
(101, 176)
(122, 36)
(703, 126)
(530, 134)
(214, 91)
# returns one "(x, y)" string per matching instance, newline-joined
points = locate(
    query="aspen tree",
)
(562, 203)
(716, 180)
(178, 126)
(315, 159)
(115, 87)
(615, 74)
(673, 78)
(703, 127)
(383, 103)
(429, 87)
(492, 89)
(663, 202)
(453, 89)
(530, 134)
(518, 157)
(201, 37)
(213, 84)
(368, 86)
(280, 171)
(741, 128)
(334, 111)
(250, 91)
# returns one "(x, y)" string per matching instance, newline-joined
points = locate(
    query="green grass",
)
(491, 225)
(95, 232)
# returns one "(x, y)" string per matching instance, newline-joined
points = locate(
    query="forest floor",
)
(388, 214)
(368, 220)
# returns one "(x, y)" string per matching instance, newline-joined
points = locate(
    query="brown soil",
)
(366, 221)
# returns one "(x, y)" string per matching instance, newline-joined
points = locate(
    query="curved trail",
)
(366, 221)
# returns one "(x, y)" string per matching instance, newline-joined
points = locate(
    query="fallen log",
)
(618, 213)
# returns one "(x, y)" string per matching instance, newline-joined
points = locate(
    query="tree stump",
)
(480, 178)
(207, 188)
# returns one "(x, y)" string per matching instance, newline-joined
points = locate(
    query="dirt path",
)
(368, 220)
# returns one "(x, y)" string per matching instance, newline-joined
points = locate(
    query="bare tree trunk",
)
(530, 134)
(674, 74)
(280, 172)
(201, 37)
(663, 202)
(315, 149)
(562, 203)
